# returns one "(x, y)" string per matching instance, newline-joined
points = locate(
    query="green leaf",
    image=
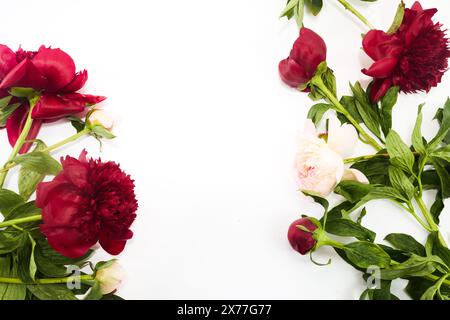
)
(444, 176)
(349, 103)
(374, 169)
(401, 182)
(8, 201)
(95, 293)
(24, 210)
(288, 10)
(317, 111)
(353, 191)
(315, 6)
(348, 228)
(438, 249)
(405, 243)
(415, 266)
(26, 265)
(401, 156)
(8, 269)
(366, 254)
(10, 242)
(398, 19)
(417, 286)
(51, 292)
(387, 104)
(39, 162)
(6, 111)
(437, 207)
(29, 179)
(442, 153)
(21, 92)
(444, 131)
(102, 132)
(417, 139)
(367, 110)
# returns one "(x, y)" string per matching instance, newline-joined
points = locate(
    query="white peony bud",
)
(110, 277)
(98, 117)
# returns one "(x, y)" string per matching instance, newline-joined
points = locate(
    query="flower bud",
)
(110, 276)
(308, 52)
(98, 117)
(301, 240)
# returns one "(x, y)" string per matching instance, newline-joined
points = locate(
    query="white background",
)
(209, 133)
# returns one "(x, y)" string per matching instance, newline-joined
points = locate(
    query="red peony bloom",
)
(53, 73)
(88, 201)
(308, 52)
(414, 58)
(302, 241)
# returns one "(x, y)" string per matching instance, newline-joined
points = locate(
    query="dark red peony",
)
(414, 58)
(49, 71)
(89, 201)
(300, 240)
(308, 52)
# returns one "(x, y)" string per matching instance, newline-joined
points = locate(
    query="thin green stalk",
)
(74, 137)
(355, 12)
(411, 210)
(426, 213)
(14, 222)
(317, 81)
(19, 144)
(51, 148)
(49, 280)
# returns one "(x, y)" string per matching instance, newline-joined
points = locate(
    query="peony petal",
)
(355, 175)
(422, 19)
(382, 68)
(15, 124)
(309, 51)
(25, 74)
(68, 241)
(379, 88)
(86, 100)
(56, 65)
(341, 138)
(7, 60)
(375, 44)
(292, 73)
(417, 7)
(75, 171)
(51, 107)
(113, 247)
(77, 83)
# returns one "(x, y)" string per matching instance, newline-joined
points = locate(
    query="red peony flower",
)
(87, 202)
(53, 73)
(308, 52)
(414, 58)
(302, 241)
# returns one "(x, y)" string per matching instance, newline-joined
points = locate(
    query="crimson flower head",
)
(49, 71)
(300, 240)
(89, 201)
(414, 58)
(308, 52)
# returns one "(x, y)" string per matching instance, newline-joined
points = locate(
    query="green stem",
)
(14, 222)
(371, 156)
(411, 210)
(49, 280)
(19, 143)
(74, 137)
(318, 82)
(350, 8)
(426, 213)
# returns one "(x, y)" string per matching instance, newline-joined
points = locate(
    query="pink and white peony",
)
(320, 164)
